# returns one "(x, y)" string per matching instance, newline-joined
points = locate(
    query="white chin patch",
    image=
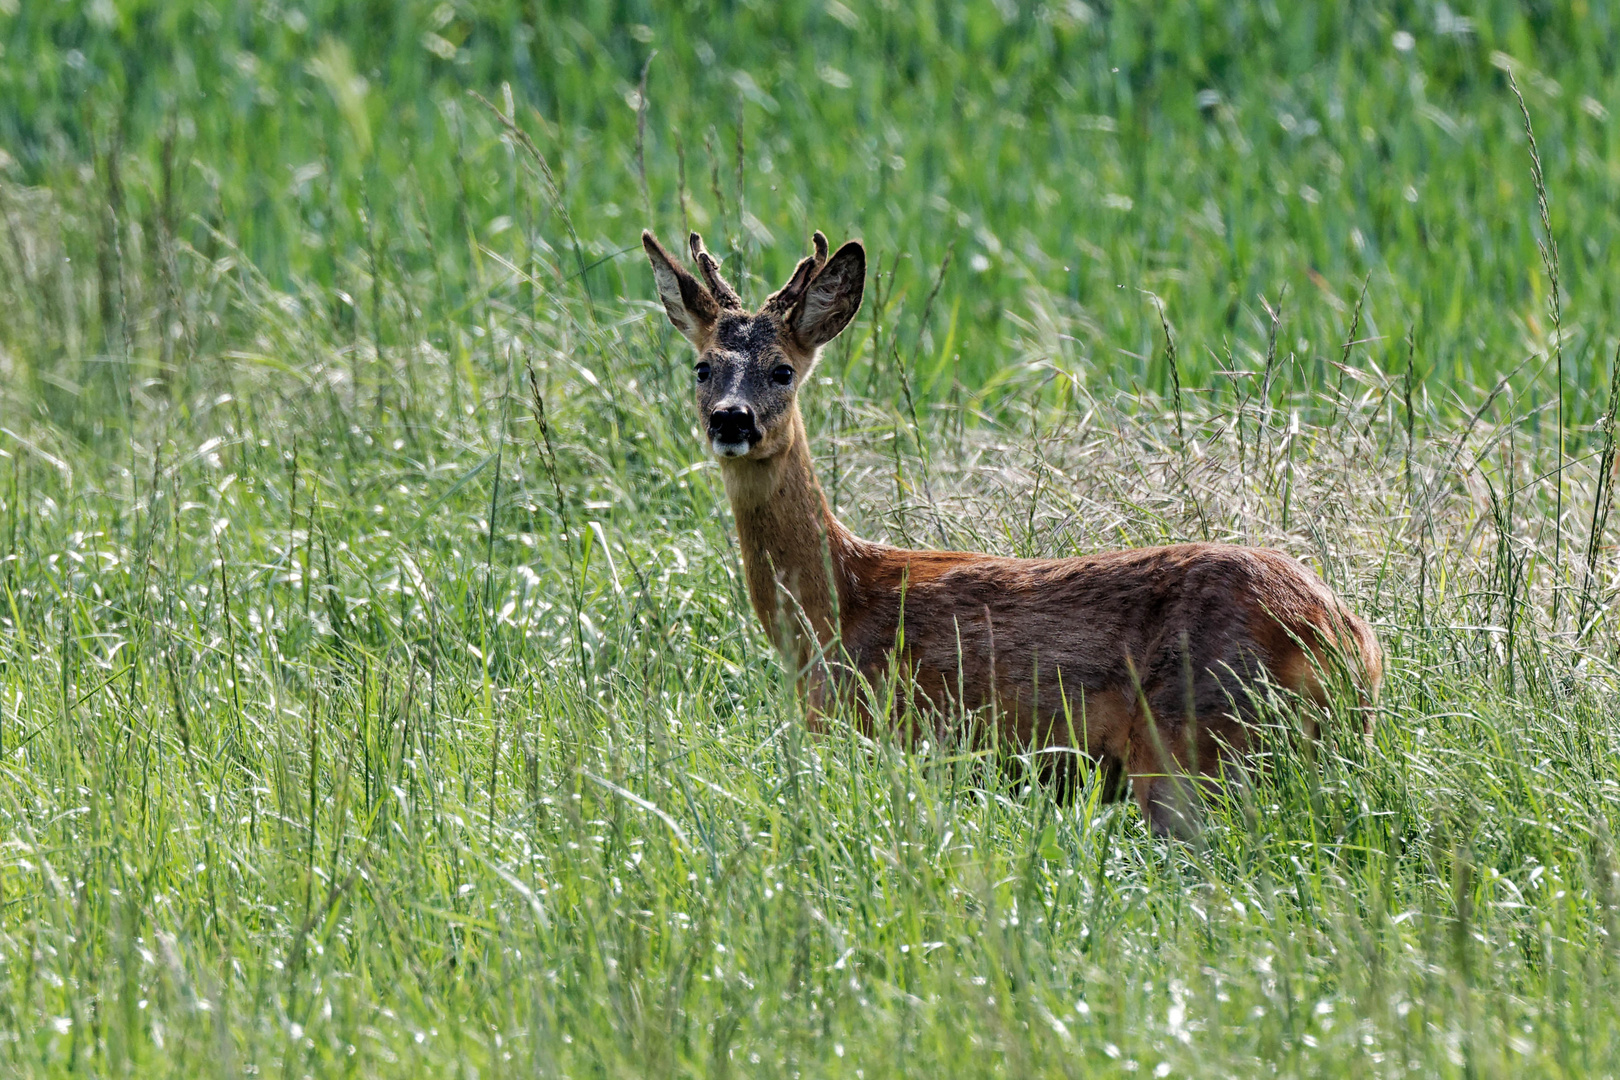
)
(728, 449)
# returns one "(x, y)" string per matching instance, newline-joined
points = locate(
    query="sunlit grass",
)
(351, 723)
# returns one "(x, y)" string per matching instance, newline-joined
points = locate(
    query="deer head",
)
(750, 364)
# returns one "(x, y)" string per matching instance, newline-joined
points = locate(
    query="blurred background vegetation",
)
(1212, 153)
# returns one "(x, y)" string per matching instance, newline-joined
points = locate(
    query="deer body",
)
(1141, 660)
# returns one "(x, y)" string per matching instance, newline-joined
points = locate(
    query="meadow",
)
(379, 694)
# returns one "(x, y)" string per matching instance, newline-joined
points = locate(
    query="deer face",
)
(750, 364)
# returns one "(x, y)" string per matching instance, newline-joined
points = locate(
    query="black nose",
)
(733, 424)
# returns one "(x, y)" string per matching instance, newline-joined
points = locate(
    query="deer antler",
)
(724, 294)
(783, 299)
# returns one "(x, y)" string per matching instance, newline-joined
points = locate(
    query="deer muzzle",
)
(732, 431)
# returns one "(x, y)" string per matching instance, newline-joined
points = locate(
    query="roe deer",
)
(1148, 657)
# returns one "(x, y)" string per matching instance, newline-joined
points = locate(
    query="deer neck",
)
(793, 548)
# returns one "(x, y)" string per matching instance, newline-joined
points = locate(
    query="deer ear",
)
(832, 298)
(689, 305)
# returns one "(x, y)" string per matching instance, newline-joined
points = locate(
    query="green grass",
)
(352, 723)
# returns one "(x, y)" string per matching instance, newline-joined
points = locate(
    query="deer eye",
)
(702, 372)
(782, 374)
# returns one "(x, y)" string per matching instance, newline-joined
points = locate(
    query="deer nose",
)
(732, 424)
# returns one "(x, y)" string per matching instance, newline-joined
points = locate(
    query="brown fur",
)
(1143, 660)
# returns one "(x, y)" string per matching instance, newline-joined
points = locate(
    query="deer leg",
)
(1173, 767)
(1166, 794)
(1170, 805)
(1065, 774)
(1113, 780)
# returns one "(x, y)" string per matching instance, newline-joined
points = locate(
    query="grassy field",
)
(367, 709)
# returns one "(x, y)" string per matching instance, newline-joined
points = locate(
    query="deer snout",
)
(732, 430)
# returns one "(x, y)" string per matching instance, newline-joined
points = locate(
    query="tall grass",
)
(377, 693)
